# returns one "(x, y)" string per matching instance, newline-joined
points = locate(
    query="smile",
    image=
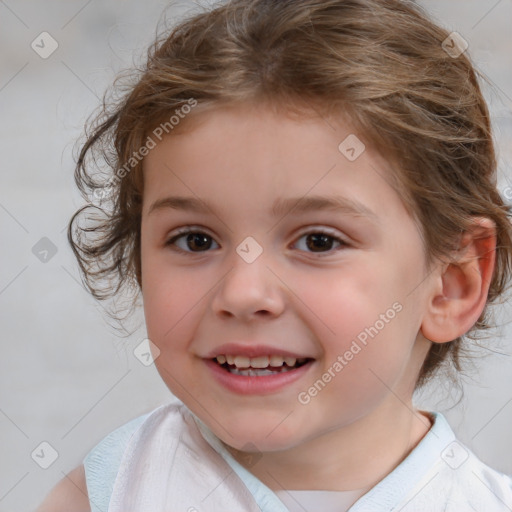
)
(259, 366)
(258, 375)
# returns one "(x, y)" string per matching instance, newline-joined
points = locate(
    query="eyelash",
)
(320, 231)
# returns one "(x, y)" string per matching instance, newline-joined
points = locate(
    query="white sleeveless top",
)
(169, 461)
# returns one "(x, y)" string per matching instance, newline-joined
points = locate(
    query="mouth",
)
(260, 366)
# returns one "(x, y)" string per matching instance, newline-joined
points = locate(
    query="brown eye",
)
(191, 241)
(320, 242)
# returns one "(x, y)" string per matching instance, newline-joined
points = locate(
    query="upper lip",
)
(251, 350)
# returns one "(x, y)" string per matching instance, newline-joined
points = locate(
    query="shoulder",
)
(486, 482)
(441, 473)
(102, 463)
(89, 486)
(69, 495)
(467, 479)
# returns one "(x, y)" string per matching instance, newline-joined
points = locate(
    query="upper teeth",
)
(257, 362)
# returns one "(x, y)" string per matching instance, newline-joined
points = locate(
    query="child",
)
(305, 195)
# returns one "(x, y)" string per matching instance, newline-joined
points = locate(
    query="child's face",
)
(306, 294)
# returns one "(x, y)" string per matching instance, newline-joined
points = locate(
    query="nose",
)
(249, 291)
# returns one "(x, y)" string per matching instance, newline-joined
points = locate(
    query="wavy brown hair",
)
(379, 62)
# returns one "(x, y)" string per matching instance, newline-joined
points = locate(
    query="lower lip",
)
(253, 385)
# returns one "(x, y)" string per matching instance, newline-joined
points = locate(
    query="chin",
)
(249, 435)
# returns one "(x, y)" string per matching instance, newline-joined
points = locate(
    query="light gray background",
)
(67, 378)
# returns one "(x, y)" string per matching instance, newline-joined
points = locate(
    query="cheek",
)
(175, 300)
(168, 295)
(347, 300)
(358, 375)
(359, 318)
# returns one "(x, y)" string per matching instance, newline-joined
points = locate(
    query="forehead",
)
(249, 157)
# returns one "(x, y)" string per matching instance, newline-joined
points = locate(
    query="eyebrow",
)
(281, 206)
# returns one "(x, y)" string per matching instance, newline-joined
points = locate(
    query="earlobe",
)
(460, 292)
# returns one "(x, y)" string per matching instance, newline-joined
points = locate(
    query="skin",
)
(297, 295)
(69, 495)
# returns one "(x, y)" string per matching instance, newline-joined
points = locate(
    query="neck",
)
(353, 457)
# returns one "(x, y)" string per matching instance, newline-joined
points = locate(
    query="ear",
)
(460, 290)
